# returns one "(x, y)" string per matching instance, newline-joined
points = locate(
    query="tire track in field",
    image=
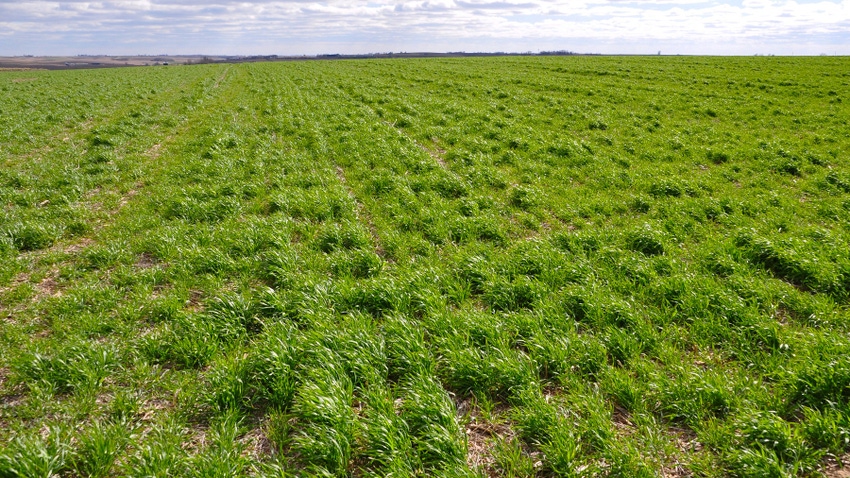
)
(482, 432)
(547, 225)
(363, 210)
(78, 131)
(48, 285)
(153, 153)
(437, 153)
(362, 213)
(222, 76)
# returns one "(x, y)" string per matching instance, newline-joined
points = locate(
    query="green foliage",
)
(512, 266)
(645, 241)
(99, 447)
(435, 432)
(34, 455)
(323, 404)
(77, 367)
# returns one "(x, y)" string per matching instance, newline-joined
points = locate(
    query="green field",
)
(514, 266)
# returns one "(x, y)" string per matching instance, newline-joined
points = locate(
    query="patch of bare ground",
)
(126, 197)
(150, 409)
(64, 247)
(150, 412)
(440, 151)
(686, 444)
(782, 315)
(437, 154)
(684, 439)
(153, 151)
(74, 247)
(22, 80)
(482, 432)
(677, 471)
(11, 400)
(525, 232)
(361, 213)
(256, 443)
(194, 303)
(92, 192)
(36, 155)
(837, 468)
(104, 398)
(622, 421)
(48, 287)
(6, 403)
(145, 261)
(196, 441)
(98, 206)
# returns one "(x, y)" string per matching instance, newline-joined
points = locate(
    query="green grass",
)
(559, 266)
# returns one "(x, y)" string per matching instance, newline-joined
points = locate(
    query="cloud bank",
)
(294, 27)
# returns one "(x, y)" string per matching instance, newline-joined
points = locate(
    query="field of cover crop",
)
(571, 266)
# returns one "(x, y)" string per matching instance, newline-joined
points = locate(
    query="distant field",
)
(96, 61)
(570, 266)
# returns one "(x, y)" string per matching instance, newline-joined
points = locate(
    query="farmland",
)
(578, 266)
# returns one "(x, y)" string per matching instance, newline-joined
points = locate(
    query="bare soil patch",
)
(153, 151)
(145, 261)
(77, 246)
(837, 469)
(481, 435)
(257, 444)
(48, 287)
(361, 212)
(194, 303)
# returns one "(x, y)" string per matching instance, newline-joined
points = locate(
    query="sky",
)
(310, 27)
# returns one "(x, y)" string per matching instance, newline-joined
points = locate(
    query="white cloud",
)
(296, 26)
